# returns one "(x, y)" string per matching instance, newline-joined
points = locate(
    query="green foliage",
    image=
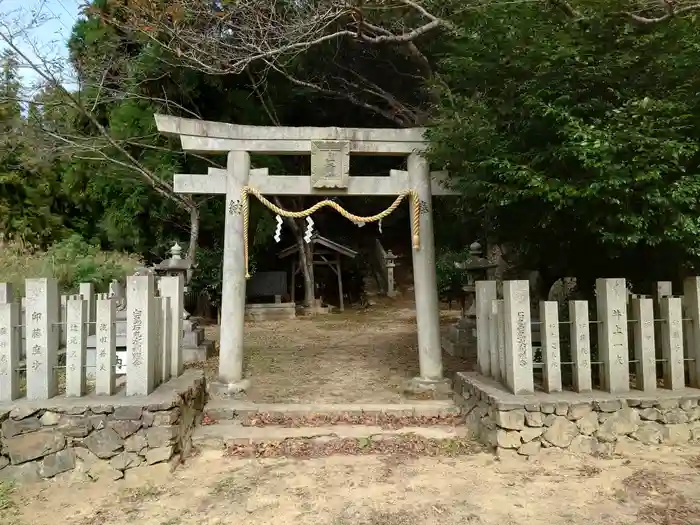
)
(576, 140)
(450, 279)
(206, 279)
(29, 192)
(71, 261)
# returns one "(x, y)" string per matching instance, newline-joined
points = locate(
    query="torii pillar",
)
(330, 149)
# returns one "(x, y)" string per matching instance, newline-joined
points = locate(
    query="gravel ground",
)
(360, 356)
(655, 486)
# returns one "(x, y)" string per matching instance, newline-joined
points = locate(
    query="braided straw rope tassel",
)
(247, 190)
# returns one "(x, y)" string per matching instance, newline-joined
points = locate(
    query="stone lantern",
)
(460, 339)
(390, 262)
(194, 346)
(477, 269)
(175, 266)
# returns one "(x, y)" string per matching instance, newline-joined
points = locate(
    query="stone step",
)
(231, 433)
(415, 413)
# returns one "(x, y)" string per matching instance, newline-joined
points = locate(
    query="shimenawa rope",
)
(412, 194)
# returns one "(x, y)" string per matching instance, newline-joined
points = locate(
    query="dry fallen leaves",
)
(387, 421)
(407, 445)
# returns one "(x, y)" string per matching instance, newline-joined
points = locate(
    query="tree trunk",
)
(194, 239)
(494, 253)
(306, 259)
(307, 267)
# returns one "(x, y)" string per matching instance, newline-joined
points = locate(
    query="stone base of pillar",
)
(221, 389)
(432, 388)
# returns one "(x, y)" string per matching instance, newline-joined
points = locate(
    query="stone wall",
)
(595, 423)
(100, 436)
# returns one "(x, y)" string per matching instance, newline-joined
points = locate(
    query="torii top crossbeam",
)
(203, 136)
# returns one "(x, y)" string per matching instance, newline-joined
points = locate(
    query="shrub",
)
(71, 261)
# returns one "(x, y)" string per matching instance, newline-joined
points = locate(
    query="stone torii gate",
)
(330, 150)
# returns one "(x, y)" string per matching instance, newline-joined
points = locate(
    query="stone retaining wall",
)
(595, 423)
(100, 436)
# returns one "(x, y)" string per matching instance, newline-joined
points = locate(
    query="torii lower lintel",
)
(216, 183)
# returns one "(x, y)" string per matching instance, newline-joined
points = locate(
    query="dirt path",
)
(360, 356)
(656, 486)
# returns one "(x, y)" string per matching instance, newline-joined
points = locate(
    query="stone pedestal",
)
(460, 339)
(270, 311)
(194, 346)
(219, 389)
(428, 388)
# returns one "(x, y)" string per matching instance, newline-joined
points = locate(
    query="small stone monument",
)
(461, 337)
(194, 346)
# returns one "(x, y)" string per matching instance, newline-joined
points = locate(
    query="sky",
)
(48, 38)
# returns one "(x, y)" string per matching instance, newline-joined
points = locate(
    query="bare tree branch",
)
(227, 38)
(645, 15)
(566, 7)
(671, 11)
(338, 94)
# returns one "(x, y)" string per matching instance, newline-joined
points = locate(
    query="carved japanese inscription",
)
(330, 163)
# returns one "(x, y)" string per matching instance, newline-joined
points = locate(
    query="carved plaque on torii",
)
(330, 163)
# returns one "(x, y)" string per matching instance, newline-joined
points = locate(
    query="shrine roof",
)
(322, 241)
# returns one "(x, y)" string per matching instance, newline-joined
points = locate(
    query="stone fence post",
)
(9, 351)
(691, 297)
(487, 349)
(87, 292)
(106, 345)
(672, 343)
(42, 335)
(581, 345)
(141, 335)
(644, 348)
(173, 287)
(611, 298)
(518, 337)
(76, 345)
(551, 352)
(6, 293)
